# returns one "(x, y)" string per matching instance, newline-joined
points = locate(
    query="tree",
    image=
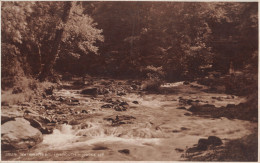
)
(234, 35)
(38, 28)
(48, 66)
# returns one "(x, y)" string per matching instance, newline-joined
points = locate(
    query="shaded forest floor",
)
(116, 119)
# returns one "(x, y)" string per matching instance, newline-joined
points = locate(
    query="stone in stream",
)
(215, 141)
(189, 102)
(187, 114)
(59, 112)
(119, 108)
(90, 91)
(182, 108)
(124, 151)
(135, 102)
(74, 100)
(121, 93)
(202, 108)
(185, 101)
(39, 126)
(84, 111)
(49, 91)
(192, 150)
(19, 134)
(134, 87)
(195, 86)
(175, 131)
(99, 148)
(49, 106)
(74, 122)
(39, 122)
(26, 104)
(107, 106)
(184, 128)
(124, 104)
(203, 144)
(71, 103)
(179, 150)
(230, 106)
(109, 100)
(120, 119)
(61, 99)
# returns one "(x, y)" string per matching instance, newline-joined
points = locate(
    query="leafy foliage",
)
(80, 31)
(181, 37)
(34, 29)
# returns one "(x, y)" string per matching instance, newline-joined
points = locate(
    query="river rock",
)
(185, 101)
(124, 104)
(121, 93)
(90, 91)
(84, 111)
(74, 122)
(135, 102)
(182, 108)
(134, 87)
(100, 148)
(230, 106)
(215, 141)
(119, 108)
(74, 100)
(202, 108)
(49, 91)
(121, 119)
(212, 140)
(203, 144)
(39, 122)
(124, 151)
(108, 100)
(187, 114)
(179, 150)
(73, 103)
(19, 134)
(107, 106)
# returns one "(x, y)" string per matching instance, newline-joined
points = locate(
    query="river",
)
(152, 129)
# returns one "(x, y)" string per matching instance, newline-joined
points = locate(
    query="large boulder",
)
(19, 134)
(215, 141)
(212, 140)
(40, 123)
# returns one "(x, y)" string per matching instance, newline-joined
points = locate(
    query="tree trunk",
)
(48, 67)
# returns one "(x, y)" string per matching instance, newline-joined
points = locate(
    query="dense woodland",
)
(128, 39)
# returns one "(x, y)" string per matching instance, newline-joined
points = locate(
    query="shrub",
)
(151, 85)
(154, 79)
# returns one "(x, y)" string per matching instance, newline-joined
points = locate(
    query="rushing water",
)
(156, 132)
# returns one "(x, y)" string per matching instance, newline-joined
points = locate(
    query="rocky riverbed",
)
(105, 119)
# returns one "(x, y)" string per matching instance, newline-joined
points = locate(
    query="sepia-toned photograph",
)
(129, 81)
